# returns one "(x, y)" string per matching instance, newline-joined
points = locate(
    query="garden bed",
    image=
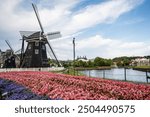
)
(10, 90)
(60, 86)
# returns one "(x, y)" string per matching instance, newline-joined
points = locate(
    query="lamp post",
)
(74, 56)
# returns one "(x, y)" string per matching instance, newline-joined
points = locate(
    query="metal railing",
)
(124, 75)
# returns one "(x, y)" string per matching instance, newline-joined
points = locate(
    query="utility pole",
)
(74, 56)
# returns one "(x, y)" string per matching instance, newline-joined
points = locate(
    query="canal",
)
(118, 74)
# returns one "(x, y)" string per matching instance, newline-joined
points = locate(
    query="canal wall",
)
(142, 69)
(93, 68)
(32, 69)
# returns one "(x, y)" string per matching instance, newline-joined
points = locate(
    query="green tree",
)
(102, 62)
(81, 63)
(126, 62)
(108, 62)
(90, 63)
(99, 61)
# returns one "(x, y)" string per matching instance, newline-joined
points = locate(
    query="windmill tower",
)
(35, 54)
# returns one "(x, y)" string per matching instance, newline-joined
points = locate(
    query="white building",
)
(84, 59)
(140, 62)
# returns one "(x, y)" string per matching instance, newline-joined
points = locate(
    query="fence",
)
(122, 74)
(147, 76)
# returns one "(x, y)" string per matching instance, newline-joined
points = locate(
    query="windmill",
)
(10, 57)
(35, 54)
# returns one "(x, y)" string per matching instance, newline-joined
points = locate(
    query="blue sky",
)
(133, 25)
(105, 28)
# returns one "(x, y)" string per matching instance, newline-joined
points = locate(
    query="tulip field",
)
(67, 87)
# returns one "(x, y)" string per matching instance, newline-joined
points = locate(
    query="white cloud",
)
(101, 13)
(58, 15)
(61, 17)
(99, 46)
(112, 47)
(132, 45)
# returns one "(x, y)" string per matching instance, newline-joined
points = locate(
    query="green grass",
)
(72, 72)
(69, 71)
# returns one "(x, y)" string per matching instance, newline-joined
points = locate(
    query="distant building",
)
(140, 62)
(84, 58)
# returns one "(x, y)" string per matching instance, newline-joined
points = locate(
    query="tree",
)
(90, 64)
(99, 61)
(123, 61)
(126, 62)
(108, 62)
(102, 62)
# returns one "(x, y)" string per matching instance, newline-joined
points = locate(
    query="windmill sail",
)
(9, 46)
(58, 63)
(37, 16)
(27, 33)
(13, 53)
(53, 35)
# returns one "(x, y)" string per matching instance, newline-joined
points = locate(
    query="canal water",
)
(118, 74)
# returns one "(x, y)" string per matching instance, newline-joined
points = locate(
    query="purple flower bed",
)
(10, 90)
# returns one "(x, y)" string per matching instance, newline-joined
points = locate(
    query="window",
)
(36, 43)
(36, 51)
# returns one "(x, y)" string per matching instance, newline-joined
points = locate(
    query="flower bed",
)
(12, 91)
(59, 86)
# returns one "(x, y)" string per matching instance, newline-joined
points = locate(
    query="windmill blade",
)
(53, 35)
(12, 49)
(37, 16)
(9, 46)
(49, 52)
(59, 64)
(18, 51)
(27, 33)
(17, 56)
